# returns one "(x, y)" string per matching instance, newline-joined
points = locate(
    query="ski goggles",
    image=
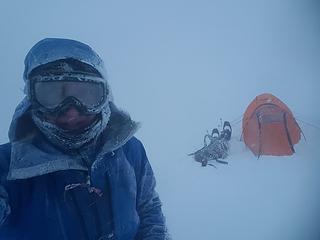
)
(52, 93)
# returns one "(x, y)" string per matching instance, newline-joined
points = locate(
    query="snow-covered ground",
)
(178, 67)
(265, 198)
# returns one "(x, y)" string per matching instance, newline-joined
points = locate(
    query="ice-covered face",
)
(72, 119)
(69, 108)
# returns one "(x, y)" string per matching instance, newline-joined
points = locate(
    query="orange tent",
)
(269, 127)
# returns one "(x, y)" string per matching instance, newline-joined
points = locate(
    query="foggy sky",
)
(178, 67)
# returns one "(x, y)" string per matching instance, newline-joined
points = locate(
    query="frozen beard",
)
(68, 140)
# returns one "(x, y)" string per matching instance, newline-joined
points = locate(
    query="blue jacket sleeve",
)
(152, 221)
(5, 209)
(4, 205)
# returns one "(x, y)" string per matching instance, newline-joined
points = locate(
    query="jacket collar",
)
(32, 155)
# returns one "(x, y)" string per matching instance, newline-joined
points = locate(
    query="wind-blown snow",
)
(178, 67)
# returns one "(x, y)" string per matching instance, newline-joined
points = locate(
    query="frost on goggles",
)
(50, 94)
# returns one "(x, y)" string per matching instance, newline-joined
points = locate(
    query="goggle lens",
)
(50, 94)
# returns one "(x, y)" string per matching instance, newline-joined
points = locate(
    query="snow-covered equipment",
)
(269, 127)
(216, 146)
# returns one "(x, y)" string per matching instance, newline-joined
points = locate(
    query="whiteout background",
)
(178, 67)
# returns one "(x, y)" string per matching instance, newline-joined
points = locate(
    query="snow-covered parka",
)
(47, 193)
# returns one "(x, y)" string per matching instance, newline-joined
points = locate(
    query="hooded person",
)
(73, 168)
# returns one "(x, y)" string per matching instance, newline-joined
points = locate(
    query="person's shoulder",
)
(134, 151)
(5, 149)
(133, 142)
(134, 146)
